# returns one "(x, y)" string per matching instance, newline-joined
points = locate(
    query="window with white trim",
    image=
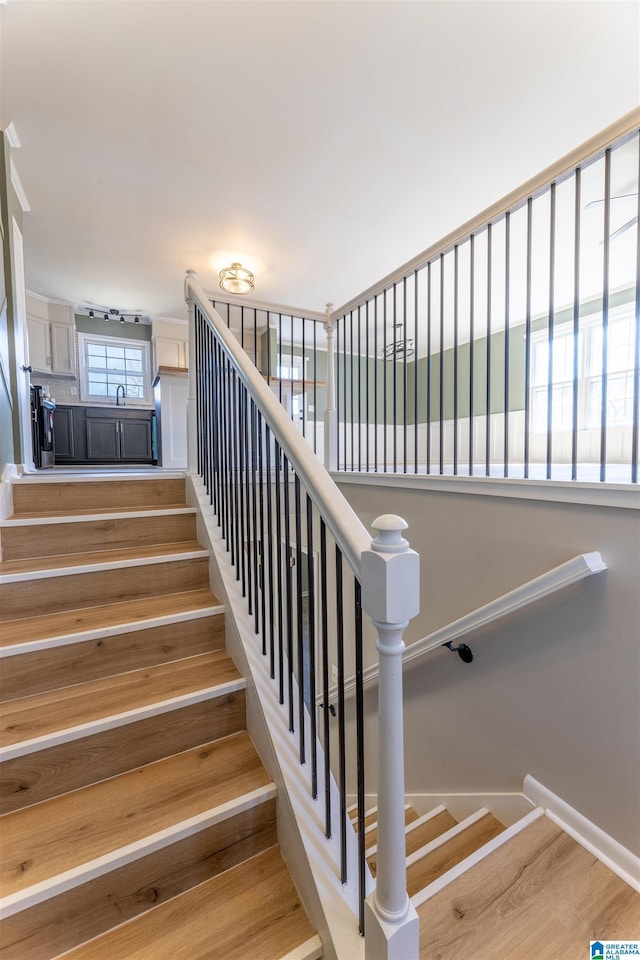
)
(107, 363)
(620, 353)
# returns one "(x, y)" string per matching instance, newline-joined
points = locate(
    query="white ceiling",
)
(321, 143)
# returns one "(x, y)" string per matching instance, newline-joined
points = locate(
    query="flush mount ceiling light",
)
(236, 279)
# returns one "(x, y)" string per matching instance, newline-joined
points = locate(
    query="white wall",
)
(556, 693)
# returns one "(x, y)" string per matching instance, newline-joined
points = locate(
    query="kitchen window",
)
(110, 362)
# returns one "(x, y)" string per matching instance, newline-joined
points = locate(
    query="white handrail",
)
(559, 578)
(346, 528)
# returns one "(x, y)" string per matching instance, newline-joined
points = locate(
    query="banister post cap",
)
(192, 273)
(389, 528)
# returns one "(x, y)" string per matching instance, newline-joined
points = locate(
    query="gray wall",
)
(555, 693)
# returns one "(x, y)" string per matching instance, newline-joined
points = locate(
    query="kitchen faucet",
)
(120, 387)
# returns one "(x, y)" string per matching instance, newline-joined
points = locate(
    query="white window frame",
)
(589, 327)
(84, 339)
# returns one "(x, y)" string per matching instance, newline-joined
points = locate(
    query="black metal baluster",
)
(281, 626)
(375, 382)
(527, 341)
(507, 320)
(217, 465)
(242, 451)
(280, 357)
(384, 379)
(576, 325)
(315, 387)
(254, 516)
(197, 361)
(487, 402)
(635, 438)
(324, 626)
(395, 384)
(456, 284)
(366, 413)
(552, 251)
(405, 392)
(416, 379)
(268, 550)
(441, 365)
(472, 280)
(299, 621)
(311, 633)
(359, 393)
(360, 750)
(255, 336)
(291, 376)
(342, 759)
(337, 376)
(605, 314)
(261, 551)
(351, 379)
(248, 467)
(304, 378)
(288, 592)
(429, 368)
(235, 395)
(344, 363)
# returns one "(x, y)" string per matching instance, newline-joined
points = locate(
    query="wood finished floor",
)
(46, 713)
(257, 896)
(541, 896)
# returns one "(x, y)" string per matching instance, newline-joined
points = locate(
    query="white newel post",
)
(192, 441)
(330, 416)
(391, 597)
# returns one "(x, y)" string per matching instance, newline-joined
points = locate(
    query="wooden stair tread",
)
(33, 564)
(409, 816)
(69, 497)
(417, 838)
(539, 895)
(451, 852)
(47, 539)
(45, 713)
(68, 622)
(54, 836)
(250, 912)
(93, 511)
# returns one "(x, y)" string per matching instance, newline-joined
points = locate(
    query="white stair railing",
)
(275, 502)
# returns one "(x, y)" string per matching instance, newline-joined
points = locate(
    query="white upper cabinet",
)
(170, 343)
(51, 337)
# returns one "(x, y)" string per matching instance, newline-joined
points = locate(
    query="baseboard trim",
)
(608, 851)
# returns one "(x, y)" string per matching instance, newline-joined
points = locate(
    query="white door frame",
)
(21, 350)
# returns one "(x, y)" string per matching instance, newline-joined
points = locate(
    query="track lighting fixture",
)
(112, 313)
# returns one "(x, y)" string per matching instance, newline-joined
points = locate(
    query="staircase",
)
(137, 820)
(524, 892)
